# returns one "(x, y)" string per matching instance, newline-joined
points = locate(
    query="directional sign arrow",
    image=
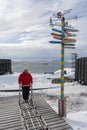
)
(69, 34)
(69, 40)
(69, 47)
(57, 35)
(56, 30)
(69, 44)
(55, 42)
(58, 42)
(70, 30)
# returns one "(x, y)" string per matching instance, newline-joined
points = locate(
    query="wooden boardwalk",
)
(36, 116)
(10, 116)
(52, 119)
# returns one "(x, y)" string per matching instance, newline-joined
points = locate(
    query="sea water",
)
(43, 66)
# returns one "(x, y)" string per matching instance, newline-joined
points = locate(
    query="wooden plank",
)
(52, 119)
(10, 116)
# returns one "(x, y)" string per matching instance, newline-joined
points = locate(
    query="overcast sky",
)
(25, 28)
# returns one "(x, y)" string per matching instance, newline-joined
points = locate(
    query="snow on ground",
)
(76, 95)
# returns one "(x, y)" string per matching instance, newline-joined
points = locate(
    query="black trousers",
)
(25, 93)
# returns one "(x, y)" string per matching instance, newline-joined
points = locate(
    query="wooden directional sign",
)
(67, 11)
(69, 34)
(70, 30)
(55, 42)
(69, 44)
(56, 30)
(66, 34)
(57, 35)
(58, 42)
(69, 47)
(69, 40)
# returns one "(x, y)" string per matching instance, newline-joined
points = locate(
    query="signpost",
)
(62, 98)
(68, 40)
(68, 47)
(55, 42)
(56, 34)
(56, 30)
(67, 34)
(71, 30)
(57, 38)
(69, 44)
(65, 42)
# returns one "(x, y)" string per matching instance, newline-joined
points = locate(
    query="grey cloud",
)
(27, 23)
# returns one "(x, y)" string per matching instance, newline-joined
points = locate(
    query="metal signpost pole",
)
(62, 99)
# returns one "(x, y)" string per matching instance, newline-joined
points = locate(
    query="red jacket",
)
(25, 79)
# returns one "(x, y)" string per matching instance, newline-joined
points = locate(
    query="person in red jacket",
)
(25, 80)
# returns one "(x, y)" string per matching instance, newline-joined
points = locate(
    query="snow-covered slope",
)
(76, 95)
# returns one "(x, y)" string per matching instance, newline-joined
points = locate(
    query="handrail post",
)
(19, 94)
(31, 99)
